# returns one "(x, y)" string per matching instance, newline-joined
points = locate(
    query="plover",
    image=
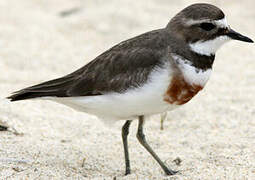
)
(152, 73)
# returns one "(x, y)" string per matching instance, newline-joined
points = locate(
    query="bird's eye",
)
(207, 26)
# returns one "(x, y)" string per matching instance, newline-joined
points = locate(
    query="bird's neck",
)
(199, 61)
(194, 71)
(180, 47)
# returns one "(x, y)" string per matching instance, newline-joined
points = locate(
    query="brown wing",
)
(126, 65)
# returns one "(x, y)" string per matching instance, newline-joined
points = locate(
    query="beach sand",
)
(213, 135)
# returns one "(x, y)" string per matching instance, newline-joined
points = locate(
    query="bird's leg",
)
(140, 136)
(125, 131)
(162, 119)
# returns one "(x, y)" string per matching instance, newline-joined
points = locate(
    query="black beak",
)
(237, 36)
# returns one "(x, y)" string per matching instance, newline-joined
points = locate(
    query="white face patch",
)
(192, 75)
(209, 47)
(222, 23)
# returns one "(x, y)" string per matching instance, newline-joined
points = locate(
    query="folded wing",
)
(126, 65)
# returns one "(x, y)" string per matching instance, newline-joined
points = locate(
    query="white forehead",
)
(222, 23)
(219, 23)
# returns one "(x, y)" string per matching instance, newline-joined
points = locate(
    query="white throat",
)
(208, 47)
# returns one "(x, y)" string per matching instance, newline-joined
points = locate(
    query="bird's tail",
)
(56, 87)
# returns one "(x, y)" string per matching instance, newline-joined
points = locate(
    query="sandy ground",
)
(213, 135)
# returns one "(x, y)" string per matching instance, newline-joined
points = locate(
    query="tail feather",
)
(56, 87)
(28, 95)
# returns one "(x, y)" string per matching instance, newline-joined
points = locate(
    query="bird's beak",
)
(237, 36)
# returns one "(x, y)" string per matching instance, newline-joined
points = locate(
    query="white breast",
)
(192, 75)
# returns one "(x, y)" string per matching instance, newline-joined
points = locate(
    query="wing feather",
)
(126, 65)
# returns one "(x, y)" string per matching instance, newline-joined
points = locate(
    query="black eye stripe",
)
(207, 26)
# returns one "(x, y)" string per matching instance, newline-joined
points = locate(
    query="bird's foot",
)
(127, 172)
(170, 172)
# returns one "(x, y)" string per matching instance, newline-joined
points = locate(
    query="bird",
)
(152, 73)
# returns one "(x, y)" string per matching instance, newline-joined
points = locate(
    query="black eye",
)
(207, 26)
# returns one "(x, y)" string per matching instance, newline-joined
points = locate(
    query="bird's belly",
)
(147, 99)
(116, 106)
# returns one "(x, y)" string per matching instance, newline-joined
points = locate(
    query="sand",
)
(213, 135)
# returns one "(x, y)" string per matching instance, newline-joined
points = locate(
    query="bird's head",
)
(204, 28)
